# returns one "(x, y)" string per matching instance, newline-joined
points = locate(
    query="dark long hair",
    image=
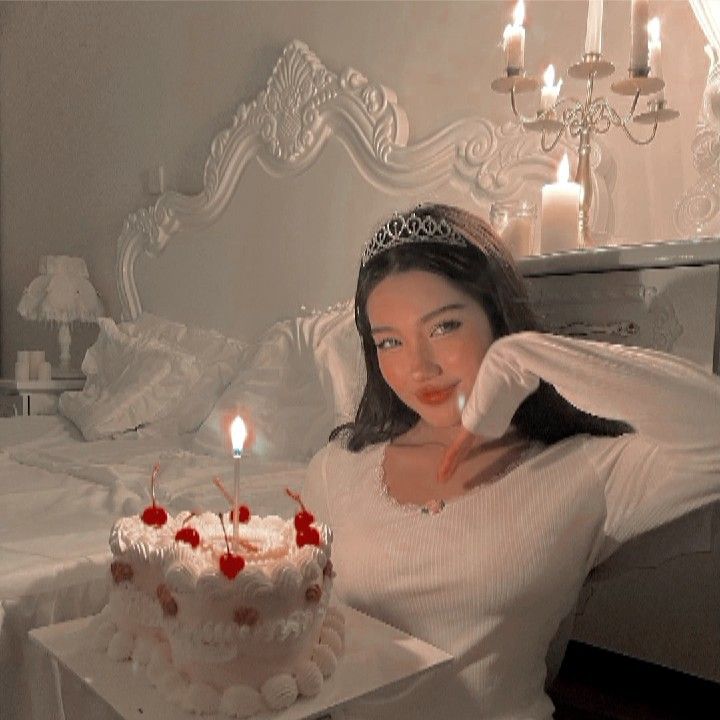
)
(484, 270)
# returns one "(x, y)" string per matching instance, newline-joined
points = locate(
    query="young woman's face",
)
(430, 338)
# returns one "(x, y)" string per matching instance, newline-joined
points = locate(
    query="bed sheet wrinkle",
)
(41, 429)
(124, 466)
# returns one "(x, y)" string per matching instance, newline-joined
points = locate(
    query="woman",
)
(491, 466)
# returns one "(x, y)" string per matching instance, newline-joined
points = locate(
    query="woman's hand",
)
(456, 452)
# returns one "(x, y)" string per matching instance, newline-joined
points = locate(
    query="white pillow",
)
(153, 373)
(339, 360)
(301, 382)
(219, 359)
(131, 381)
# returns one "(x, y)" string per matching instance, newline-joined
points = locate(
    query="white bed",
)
(291, 190)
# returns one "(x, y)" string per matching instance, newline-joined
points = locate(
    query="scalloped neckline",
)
(535, 447)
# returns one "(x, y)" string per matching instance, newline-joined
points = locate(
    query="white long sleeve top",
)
(490, 577)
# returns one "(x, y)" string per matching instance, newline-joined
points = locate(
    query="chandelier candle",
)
(639, 11)
(514, 41)
(238, 434)
(654, 50)
(593, 33)
(550, 91)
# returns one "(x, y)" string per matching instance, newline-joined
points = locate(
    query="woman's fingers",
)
(456, 452)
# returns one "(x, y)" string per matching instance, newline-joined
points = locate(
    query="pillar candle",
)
(560, 212)
(638, 34)
(514, 39)
(593, 32)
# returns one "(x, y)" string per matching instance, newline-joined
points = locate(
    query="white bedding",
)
(59, 496)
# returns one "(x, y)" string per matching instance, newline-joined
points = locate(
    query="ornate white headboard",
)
(294, 186)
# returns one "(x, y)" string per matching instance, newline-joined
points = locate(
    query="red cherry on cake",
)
(154, 515)
(243, 514)
(188, 535)
(231, 565)
(307, 536)
(303, 520)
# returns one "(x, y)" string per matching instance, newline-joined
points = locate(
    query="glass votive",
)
(514, 222)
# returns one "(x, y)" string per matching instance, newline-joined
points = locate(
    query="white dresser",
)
(658, 597)
(665, 296)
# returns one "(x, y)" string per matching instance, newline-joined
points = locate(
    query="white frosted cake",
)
(236, 629)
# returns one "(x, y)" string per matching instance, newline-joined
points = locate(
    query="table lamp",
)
(63, 294)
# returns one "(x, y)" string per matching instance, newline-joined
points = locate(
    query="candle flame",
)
(563, 172)
(549, 76)
(519, 14)
(238, 433)
(653, 28)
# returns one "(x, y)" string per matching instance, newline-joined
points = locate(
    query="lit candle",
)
(514, 39)
(639, 10)
(238, 434)
(593, 32)
(560, 212)
(654, 50)
(550, 91)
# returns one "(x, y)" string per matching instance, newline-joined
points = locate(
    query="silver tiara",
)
(412, 228)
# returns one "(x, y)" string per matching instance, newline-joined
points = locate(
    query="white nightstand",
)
(39, 397)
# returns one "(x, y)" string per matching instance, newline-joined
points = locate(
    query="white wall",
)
(93, 95)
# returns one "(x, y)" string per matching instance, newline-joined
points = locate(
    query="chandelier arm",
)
(602, 125)
(575, 126)
(613, 115)
(596, 111)
(573, 118)
(553, 144)
(516, 112)
(647, 141)
(634, 104)
(576, 104)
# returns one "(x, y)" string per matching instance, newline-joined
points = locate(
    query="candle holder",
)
(514, 82)
(593, 115)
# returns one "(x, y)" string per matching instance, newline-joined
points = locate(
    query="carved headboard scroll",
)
(305, 106)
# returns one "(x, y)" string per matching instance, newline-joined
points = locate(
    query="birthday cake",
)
(237, 625)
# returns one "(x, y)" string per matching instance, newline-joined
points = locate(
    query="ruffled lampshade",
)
(62, 293)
